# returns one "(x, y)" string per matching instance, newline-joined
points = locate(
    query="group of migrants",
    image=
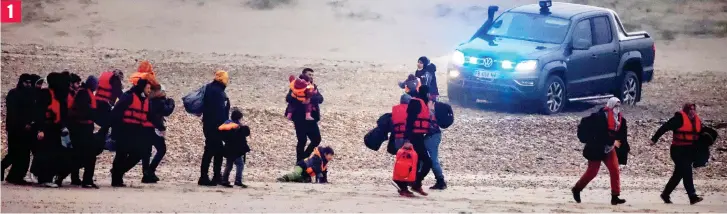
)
(55, 123)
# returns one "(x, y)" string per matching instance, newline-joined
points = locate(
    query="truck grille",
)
(482, 61)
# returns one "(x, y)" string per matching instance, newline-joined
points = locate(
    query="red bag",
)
(405, 166)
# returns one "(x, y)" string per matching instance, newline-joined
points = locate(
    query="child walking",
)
(235, 135)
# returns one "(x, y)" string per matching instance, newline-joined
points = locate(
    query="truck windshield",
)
(530, 27)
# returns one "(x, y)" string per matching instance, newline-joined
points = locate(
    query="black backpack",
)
(444, 114)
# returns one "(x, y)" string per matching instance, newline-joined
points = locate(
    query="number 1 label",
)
(11, 11)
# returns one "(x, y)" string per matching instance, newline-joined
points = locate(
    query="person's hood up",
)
(424, 61)
(612, 102)
(91, 83)
(145, 67)
(22, 79)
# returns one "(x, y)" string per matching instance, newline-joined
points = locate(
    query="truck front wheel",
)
(555, 99)
(630, 89)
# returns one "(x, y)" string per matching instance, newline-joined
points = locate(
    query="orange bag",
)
(405, 166)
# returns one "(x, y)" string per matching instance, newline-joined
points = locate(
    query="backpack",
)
(405, 166)
(583, 130)
(168, 107)
(444, 114)
(194, 101)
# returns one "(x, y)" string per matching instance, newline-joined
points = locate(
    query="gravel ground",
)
(490, 139)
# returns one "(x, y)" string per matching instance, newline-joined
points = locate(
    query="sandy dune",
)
(496, 158)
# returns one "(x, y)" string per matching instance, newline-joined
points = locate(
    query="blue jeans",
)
(239, 166)
(431, 142)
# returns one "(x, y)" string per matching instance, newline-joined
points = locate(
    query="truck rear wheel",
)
(630, 89)
(555, 99)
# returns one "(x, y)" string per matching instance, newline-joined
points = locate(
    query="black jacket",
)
(20, 104)
(216, 106)
(299, 113)
(126, 99)
(428, 76)
(594, 132)
(674, 123)
(236, 141)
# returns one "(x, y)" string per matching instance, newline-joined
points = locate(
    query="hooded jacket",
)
(428, 75)
(20, 103)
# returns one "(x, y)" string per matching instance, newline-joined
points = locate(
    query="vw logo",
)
(487, 62)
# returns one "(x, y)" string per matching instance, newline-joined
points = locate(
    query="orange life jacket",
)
(53, 112)
(103, 93)
(689, 132)
(405, 167)
(612, 128)
(301, 94)
(398, 118)
(422, 123)
(137, 113)
(309, 162)
(71, 105)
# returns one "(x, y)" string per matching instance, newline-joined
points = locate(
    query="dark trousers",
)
(150, 164)
(424, 162)
(683, 156)
(213, 149)
(85, 151)
(304, 130)
(19, 144)
(131, 147)
(48, 156)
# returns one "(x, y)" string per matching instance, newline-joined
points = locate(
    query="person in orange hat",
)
(146, 72)
(215, 112)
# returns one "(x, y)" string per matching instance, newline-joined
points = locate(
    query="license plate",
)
(485, 74)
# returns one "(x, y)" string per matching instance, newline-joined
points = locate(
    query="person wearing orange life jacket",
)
(398, 120)
(69, 157)
(145, 71)
(686, 127)
(50, 120)
(81, 110)
(606, 141)
(417, 126)
(110, 87)
(315, 166)
(132, 130)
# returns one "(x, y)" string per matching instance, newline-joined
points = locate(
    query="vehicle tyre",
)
(554, 93)
(458, 97)
(630, 89)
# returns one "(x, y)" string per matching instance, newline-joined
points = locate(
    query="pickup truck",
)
(549, 54)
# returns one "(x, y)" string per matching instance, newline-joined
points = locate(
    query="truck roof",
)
(559, 9)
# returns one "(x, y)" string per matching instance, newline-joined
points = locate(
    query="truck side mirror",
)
(581, 44)
(497, 24)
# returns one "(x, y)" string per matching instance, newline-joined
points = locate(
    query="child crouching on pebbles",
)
(314, 166)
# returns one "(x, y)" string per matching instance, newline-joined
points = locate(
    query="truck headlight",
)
(453, 73)
(526, 66)
(506, 64)
(458, 58)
